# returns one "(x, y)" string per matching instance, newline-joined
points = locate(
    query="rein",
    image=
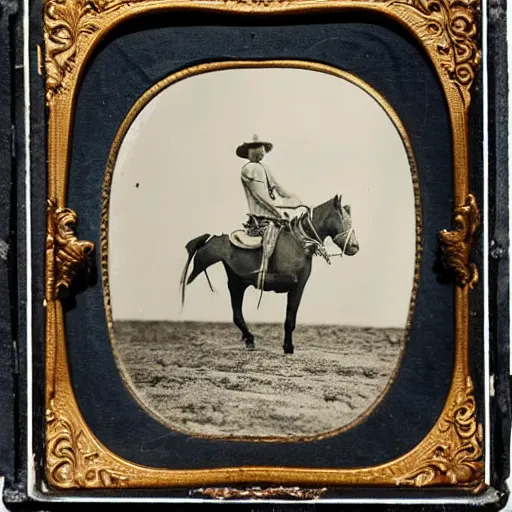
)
(319, 247)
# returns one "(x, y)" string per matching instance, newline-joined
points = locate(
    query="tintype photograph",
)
(262, 273)
(263, 240)
(254, 253)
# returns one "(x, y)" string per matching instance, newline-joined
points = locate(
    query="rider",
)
(266, 199)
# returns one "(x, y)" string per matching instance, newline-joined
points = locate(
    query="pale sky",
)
(330, 137)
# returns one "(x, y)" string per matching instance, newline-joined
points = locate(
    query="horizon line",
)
(227, 322)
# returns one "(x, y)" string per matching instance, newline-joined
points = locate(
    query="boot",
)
(268, 244)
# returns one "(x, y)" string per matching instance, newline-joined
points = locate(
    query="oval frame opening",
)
(140, 105)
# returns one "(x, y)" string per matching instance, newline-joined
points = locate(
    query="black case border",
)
(15, 492)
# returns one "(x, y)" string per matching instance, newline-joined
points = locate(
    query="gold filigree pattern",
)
(456, 244)
(449, 28)
(457, 458)
(65, 22)
(67, 25)
(72, 460)
(226, 493)
(71, 255)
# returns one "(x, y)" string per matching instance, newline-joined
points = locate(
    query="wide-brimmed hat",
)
(243, 150)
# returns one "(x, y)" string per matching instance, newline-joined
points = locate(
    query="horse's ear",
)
(336, 201)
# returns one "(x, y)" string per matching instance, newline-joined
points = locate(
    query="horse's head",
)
(339, 227)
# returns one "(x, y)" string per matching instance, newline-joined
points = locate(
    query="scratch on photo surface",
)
(159, 438)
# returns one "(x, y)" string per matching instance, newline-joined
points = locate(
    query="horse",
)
(289, 267)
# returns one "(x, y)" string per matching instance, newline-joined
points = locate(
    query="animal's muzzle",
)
(346, 242)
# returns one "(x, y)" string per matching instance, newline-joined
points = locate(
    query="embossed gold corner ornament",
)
(70, 254)
(456, 244)
(67, 23)
(448, 27)
(72, 459)
(456, 457)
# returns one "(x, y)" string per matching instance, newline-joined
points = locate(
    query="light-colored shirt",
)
(256, 180)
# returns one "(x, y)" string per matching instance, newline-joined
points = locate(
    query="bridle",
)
(349, 231)
(316, 242)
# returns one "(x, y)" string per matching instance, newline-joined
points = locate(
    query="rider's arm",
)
(265, 204)
(292, 199)
(250, 174)
(283, 192)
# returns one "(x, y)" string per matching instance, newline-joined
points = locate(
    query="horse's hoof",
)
(288, 349)
(249, 342)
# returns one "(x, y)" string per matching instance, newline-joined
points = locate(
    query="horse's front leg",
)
(294, 298)
(237, 291)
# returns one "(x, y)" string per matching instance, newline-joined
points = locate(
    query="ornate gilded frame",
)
(452, 453)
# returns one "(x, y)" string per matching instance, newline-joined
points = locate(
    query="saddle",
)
(252, 236)
(240, 238)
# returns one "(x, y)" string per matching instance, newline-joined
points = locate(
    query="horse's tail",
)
(192, 247)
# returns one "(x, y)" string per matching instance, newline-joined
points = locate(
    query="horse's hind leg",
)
(237, 291)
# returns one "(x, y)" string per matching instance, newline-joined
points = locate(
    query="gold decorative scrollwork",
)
(71, 255)
(449, 27)
(457, 456)
(456, 244)
(67, 24)
(72, 460)
(225, 493)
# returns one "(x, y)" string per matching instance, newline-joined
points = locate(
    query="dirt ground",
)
(201, 379)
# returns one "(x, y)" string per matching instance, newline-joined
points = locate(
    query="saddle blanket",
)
(241, 239)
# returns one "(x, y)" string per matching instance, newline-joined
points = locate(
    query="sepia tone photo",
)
(262, 236)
